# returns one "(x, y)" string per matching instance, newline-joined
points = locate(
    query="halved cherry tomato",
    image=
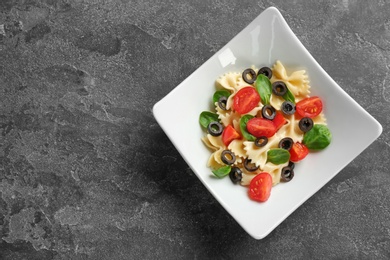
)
(229, 134)
(279, 120)
(245, 100)
(298, 152)
(259, 127)
(260, 187)
(309, 107)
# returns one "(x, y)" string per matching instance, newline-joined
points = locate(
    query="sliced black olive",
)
(215, 128)
(261, 141)
(268, 112)
(252, 78)
(222, 101)
(265, 71)
(288, 108)
(228, 157)
(279, 88)
(287, 174)
(249, 166)
(305, 124)
(291, 165)
(286, 143)
(235, 174)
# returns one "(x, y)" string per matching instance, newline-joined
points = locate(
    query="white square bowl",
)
(267, 39)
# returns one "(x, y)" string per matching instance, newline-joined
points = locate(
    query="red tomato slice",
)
(279, 120)
(229, 134)
(260, 187)
(298, 152)
(309, 107)
(245, 100)
(259, 127)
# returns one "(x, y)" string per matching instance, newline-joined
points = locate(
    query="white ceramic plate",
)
(267, 39)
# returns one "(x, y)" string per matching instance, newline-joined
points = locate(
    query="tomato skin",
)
(260, 187)
(259, 127)
(298, 152)
(279, 120)
(245, 100)
(309, 107)
(229, 134)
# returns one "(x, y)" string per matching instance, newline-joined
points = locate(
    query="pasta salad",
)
(264, 122)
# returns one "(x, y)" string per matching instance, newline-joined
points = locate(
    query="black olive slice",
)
(287, 174)
(286, 143)
(222, 101)
(228, 157)
(291, 165)
(265, 71)
(288, 108)
(251, 73)
(249, 166)
(268, 112)
(279, 88)
(215, 128)
(305, 124)
(235, 174)
(261, 141)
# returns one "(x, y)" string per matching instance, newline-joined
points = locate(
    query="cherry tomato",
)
(260, 187)
(309, 107)
(229, 134)
(298, 152)
(245, 100)
(259, 127)
(279, 120)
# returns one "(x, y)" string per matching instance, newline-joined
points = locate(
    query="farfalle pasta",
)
(291, 128)
(216, 145)
(265, 121)
(297, 82)
(258, 155)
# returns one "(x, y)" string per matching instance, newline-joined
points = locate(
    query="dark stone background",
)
(87, 173)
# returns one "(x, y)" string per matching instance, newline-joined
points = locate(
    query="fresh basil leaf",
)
(278, 156)
(317, 138)
(220, 93)
(243, 121)
(223, 171)
(264, 88)
(289, 96)
(206, 117)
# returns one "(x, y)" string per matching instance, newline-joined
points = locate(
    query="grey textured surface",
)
(87, 173)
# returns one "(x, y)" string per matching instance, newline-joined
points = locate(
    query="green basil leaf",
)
(278, 156)
(264, 88)
(317, 138)
(243, 121)
(206, 117)
(223, 171)
(220, 93)
(289, 96)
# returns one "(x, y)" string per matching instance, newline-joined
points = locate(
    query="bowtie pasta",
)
(263, 123)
